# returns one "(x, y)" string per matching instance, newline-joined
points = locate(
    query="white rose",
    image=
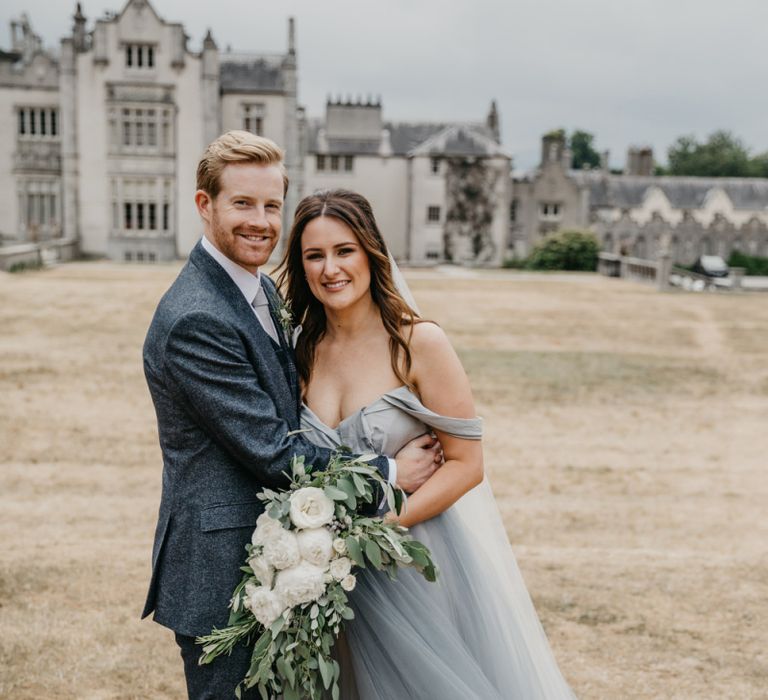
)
(340, 546)
(349, 582)
(311, 508)
(340, 568)
(282, 550)
(316, 546)
(262, 570)
(266, 528)
(265, 605)
(302, 583)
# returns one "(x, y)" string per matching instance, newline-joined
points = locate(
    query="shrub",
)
(566, 250)
(515, 263)
(752, 264)
(25, 265)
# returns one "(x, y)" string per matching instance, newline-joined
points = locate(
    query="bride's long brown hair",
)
(355, 211)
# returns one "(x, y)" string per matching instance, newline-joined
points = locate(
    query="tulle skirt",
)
(472, 635)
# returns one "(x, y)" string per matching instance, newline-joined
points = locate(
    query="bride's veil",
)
(480, 513)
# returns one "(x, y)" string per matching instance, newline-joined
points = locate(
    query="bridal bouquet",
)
(301, 563)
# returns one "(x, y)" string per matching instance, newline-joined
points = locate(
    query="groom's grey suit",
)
(226, 397)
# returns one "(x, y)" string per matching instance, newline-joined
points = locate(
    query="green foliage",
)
(470, 185)
(752, 264)
(581, 145)
(25, 265)
(722, 155)
(583, 151)
(555, 134)
(566, 250)
(515, 263)
(760, 165)
(292, 657)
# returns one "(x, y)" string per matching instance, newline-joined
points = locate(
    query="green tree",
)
(583, 150)
(566, 250)
(760, 165)
(722, 155)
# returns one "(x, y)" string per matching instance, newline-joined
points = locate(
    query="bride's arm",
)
(443, 388)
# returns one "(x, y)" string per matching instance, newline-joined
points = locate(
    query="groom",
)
(223, 381)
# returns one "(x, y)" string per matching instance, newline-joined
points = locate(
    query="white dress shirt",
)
(250, 285)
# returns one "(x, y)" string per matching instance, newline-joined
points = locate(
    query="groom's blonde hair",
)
(237, 147)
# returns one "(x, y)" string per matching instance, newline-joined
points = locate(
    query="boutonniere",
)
(285, 316)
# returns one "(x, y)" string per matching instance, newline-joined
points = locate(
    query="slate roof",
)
(459, 140)
(251, 73)
(405, 138)
(628, 191)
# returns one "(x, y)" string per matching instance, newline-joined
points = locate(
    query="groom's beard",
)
(245, 245)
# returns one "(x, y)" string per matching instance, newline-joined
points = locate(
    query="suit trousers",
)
(218, 679)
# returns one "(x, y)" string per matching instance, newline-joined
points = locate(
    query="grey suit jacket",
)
(226, 397)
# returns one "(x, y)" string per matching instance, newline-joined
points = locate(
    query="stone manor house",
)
(99, 143)
(637, 213)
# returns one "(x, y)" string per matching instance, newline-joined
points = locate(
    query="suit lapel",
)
(268, 349)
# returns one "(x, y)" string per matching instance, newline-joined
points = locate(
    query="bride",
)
(374, 376)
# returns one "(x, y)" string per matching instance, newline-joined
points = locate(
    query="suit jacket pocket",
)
(225, 516)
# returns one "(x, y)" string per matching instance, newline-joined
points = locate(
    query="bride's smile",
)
(335, 264)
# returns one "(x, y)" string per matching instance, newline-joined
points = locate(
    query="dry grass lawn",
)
(626, 440)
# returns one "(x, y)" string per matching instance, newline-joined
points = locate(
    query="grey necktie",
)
(261, 307)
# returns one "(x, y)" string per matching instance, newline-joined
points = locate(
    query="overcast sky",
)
(639, 73)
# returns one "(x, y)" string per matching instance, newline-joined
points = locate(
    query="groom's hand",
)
(417, 461)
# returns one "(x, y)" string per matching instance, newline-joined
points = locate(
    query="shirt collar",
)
(248, 283)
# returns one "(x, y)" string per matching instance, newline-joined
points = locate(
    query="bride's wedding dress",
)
(473, 635)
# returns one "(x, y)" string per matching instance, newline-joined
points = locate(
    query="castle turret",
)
(210, 88)
(492, 122)
(639, 161)
(79, 35)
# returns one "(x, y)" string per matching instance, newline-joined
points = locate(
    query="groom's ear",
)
(204, 204)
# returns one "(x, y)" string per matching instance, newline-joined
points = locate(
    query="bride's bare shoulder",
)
(431, 349)
(427, 337)
(437, 372)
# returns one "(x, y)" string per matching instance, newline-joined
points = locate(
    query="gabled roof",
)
(628, 191)
(459, 140)
(409, 138)
(139, 4)
(251, 73)
(405, 136)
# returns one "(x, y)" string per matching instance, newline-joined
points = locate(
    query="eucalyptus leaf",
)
(360, 484)
(335, 494)
(286, 670)
(326, 671)
(354, 551)
(391, 501)
(418, 556)
(373, 553)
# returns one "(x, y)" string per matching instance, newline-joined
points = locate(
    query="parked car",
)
(711, 266)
